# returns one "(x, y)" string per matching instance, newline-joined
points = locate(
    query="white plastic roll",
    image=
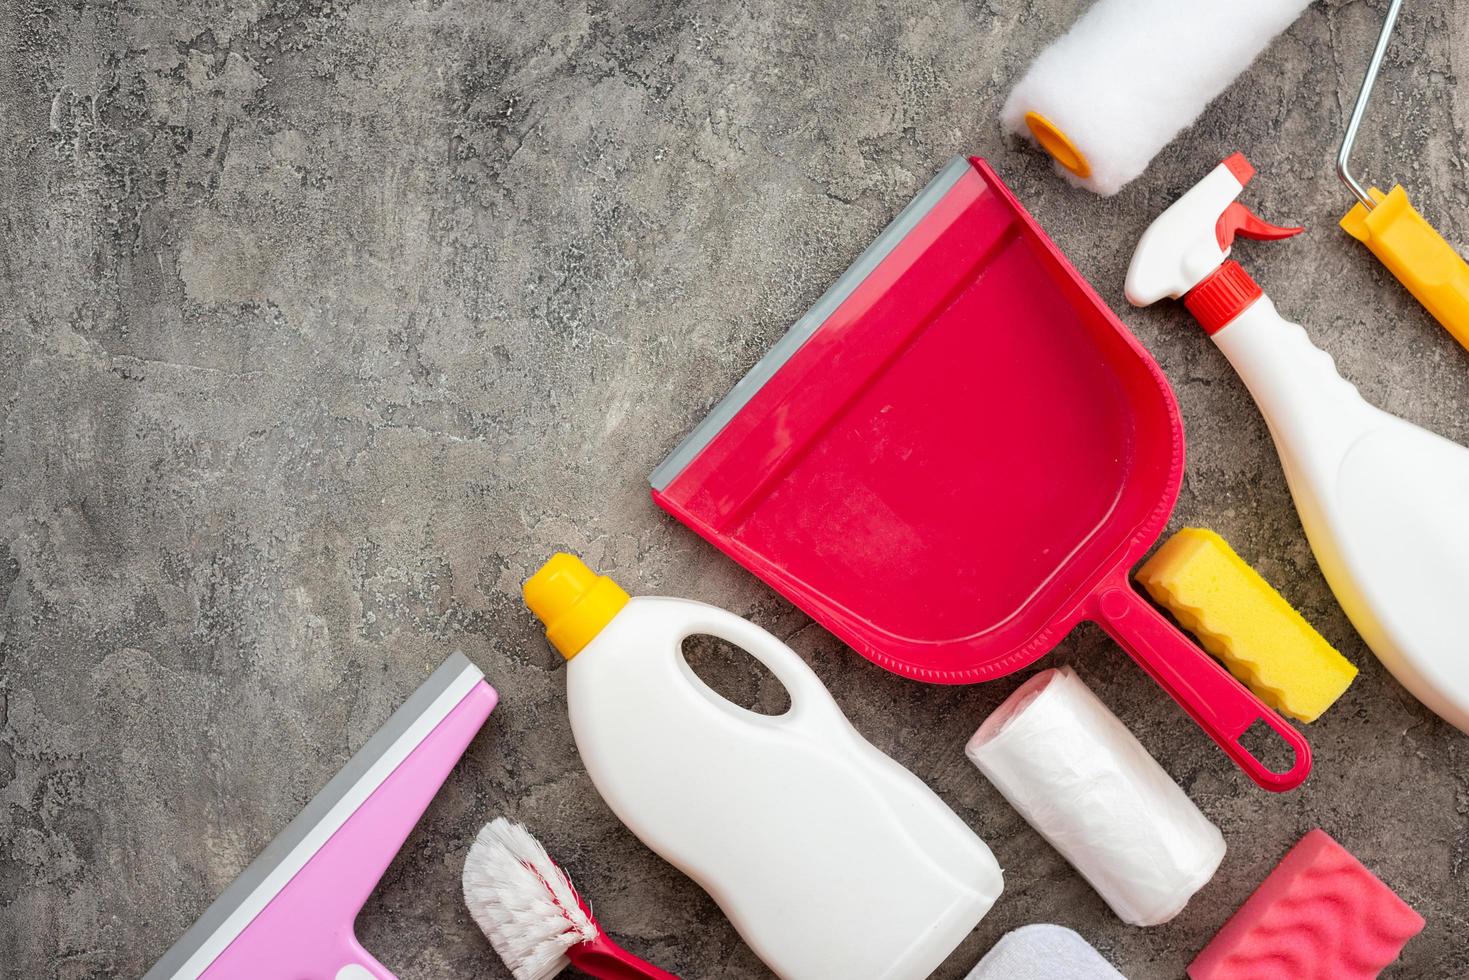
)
(1131, 74)
(1082, 780)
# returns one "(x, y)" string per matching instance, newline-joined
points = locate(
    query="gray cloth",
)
(1043, 952)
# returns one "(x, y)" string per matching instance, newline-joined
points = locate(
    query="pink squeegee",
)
(290, 915)
(1320, 915)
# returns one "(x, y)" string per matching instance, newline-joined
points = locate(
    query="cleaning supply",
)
(1396, 233)
(1081, 779)
(289, 915)
(1320, 915)
(1130, 75)
(1381, 500)
(829, 858)
(527, 907)
(1241, 620)
(1043, 952)
(955, 457)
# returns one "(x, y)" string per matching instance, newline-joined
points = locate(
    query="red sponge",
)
(1320, 915)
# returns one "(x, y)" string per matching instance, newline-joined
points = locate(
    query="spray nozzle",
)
(1193, 238)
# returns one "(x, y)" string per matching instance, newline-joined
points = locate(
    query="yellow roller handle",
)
(1418, 255)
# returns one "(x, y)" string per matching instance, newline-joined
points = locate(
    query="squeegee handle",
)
(361, 965)
(1221, 705)
(1414, 252)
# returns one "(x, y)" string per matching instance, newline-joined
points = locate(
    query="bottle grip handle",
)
(808, 695)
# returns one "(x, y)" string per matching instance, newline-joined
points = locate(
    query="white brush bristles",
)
(1131, 74)
(523, 901)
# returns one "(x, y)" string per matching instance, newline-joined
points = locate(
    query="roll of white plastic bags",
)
(1130, 75)
(1082, 780)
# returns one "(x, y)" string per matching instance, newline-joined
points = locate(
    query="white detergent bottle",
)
(1383, 502)
(831, 860)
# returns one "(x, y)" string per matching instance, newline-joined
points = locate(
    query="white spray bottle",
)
(830, 858)
(1383, 501)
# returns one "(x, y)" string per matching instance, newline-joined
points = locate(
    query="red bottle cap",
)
(1227, 293)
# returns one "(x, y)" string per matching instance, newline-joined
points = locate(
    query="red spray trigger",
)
(1240, 220)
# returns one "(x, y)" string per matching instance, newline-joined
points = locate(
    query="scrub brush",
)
(533, 916)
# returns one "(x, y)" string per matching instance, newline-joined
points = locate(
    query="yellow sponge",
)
(1241, 620)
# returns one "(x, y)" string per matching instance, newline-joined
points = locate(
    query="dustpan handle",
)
(1221, 705)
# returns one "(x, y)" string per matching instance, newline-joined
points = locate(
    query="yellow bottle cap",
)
(1057, 144)
(573, 601)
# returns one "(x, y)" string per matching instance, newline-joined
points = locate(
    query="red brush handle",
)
(1221, 705)
(605, 960)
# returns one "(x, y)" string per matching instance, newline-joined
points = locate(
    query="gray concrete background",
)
(325, 323)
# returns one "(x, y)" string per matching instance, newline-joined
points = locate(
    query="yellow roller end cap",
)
(1057, 144)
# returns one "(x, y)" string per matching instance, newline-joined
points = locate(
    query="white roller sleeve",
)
(1131, 74)
(1082, 780)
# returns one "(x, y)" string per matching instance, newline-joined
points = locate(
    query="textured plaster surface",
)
(324, 323)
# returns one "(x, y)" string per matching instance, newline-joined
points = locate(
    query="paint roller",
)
(1130, 75)
(1394, 231)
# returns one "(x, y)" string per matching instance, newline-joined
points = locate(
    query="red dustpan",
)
(957, 455)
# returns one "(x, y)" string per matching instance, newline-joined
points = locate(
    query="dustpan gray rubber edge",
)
(367, 765)
(804, 328)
